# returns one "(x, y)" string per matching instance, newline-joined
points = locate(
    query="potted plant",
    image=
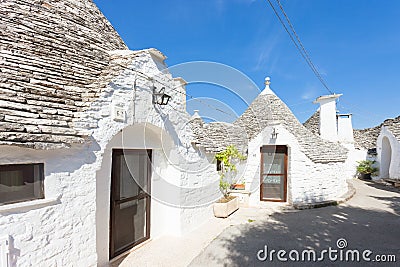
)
(227, 204)
(365, 168)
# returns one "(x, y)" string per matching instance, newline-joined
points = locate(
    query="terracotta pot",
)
(238, 186)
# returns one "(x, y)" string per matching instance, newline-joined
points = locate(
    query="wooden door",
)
(130, 199)
(273, 172)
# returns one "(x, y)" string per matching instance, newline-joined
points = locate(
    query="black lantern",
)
(274, 134)
(161, 97)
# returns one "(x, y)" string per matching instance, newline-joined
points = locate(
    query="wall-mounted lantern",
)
(274, 134)
(161, 97)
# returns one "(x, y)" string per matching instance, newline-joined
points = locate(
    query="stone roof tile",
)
(54, 61)
(268, 109)
(312, 123)
(214, 137)
(363, 138)
(366, 138)
(393, 125)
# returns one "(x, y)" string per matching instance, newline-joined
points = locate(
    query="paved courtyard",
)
(370, 220)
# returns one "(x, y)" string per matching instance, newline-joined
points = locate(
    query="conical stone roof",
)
(268, 109)
(366, 138)
(54, 60)
(394, 126)
(312, 123)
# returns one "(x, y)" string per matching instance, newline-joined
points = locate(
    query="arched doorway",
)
(123, 205)
(386, 157)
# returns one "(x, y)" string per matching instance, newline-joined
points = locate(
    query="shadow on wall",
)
(316, 229)
(169, 126)
(14, 253)
(8, 252)
(76, 157)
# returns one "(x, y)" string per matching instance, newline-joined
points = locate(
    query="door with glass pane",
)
(130, 199)
(273, 172)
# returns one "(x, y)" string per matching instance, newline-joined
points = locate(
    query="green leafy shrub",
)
(366, 167)
(228, 157)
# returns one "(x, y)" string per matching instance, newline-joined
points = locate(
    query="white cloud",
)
(310, 92)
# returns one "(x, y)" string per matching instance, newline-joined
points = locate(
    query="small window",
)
(219, 165)
(21, 182)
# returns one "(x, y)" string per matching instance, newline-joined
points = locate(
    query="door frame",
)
(113, 184)
(283, 149)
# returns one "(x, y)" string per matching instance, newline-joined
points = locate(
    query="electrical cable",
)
(298, 45)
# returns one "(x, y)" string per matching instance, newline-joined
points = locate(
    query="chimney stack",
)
(327, 118)
(345, 128)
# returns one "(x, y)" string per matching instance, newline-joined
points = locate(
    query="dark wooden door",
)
(130, 199)
(273, 186)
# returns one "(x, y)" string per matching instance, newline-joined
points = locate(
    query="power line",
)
(204, 103)
(303, 48)
(298, 44)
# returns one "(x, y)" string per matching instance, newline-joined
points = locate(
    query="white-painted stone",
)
(308, 182)
(388, 149)
(70, 227)
(328, 124)
(354, 156)
(345, 128)
(74, 230)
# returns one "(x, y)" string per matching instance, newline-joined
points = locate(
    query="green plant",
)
(366, 167)
(228, 158)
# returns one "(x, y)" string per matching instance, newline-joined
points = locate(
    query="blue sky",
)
(355, 45)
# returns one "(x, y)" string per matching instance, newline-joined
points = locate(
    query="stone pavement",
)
(370, 220)
(180, 251)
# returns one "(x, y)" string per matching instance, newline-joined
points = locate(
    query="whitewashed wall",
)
(71, 226)
(180, 172)
(57, 231)
(388, 149)
(307, 181)
(354, 156)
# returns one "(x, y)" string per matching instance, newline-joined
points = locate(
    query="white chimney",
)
(345, 128)
(327, 117)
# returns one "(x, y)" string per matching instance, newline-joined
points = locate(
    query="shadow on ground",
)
(381, 186)
(317, 229)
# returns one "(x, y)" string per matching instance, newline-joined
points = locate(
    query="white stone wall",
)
(180, 173)
(71, 226)
(307, 181)
(388, 149)
(57, 231)
(354, 156)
